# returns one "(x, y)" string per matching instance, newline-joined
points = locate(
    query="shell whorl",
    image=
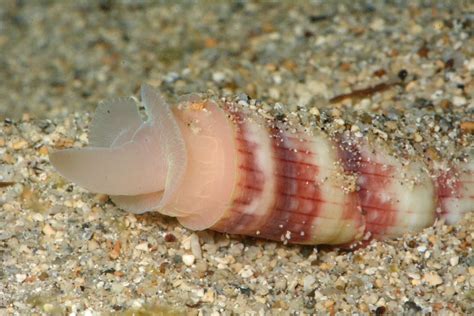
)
(289, 187)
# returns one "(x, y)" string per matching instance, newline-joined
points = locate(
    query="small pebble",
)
(246, 272)
(308, 283)
(195, 246)
(218, 77)
(418, 138)
(432, 278)
(454, 261)
(19, 144)
(459, 101)
(370, 271)
(142, 246)
(48, 230)
(188, 259)
(20, 277)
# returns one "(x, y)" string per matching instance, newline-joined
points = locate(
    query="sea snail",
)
(210, 165)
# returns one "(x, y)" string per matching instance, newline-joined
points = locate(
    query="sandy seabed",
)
(64, 250)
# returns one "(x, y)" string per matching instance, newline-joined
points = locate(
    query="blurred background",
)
(63, 56)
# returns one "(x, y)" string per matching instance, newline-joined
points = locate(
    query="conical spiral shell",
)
(244, 175)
